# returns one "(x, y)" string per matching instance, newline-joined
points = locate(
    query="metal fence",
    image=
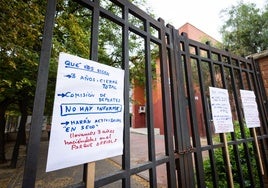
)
(203, 66)
(193, 155)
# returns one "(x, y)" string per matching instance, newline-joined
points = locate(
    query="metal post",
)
(39, 100)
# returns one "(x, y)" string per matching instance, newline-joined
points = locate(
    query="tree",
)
(20, 31)
(4, 103)
(245, 29)
(21, 24)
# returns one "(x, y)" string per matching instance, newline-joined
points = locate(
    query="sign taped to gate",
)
(87, 121)
(250, 108)
(221, 110)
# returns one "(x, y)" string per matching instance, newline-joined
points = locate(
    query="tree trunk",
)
(21, 135)
(3, 106)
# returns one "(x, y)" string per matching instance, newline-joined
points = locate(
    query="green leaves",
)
(243, 148)
(21, 28)
(21, 24)
(244, 32)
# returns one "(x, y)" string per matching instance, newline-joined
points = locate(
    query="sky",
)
(203, 14)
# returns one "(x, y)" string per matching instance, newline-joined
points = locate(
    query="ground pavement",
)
(12, 178)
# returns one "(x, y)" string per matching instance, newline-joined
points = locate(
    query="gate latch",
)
(189, 149)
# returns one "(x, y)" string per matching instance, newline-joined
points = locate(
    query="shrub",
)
(221, 168)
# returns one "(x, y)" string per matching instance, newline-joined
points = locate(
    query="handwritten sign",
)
(250, 108)
(221, 110)
(87, 123)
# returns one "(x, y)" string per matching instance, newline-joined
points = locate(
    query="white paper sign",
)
(250, 108)
(87, 122)
(221, 110)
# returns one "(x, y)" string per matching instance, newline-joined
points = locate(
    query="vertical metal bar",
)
(247, 151)
(126, 150)
(174, 53)
(193, 120)
(149, 107)
(235, 146)
(177, 95)
(185, 160)
(199, 166)
(192, 112)
(252, 86)
(183, 115)
(234, 89)
(95, 32)
(209, 133)
(93, 56)
(169, 148)
(39, 100)
(223, 135)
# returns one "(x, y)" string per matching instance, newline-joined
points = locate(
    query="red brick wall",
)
(138, 119)
(263, 63)
(196, 34)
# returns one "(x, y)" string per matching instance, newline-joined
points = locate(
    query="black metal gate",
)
(199, 67)
(193, 155)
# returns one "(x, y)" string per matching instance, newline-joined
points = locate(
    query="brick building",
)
(138, 106)
(196, 34)
(262, 60)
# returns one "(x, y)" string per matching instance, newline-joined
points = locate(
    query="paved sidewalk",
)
(12, 178)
